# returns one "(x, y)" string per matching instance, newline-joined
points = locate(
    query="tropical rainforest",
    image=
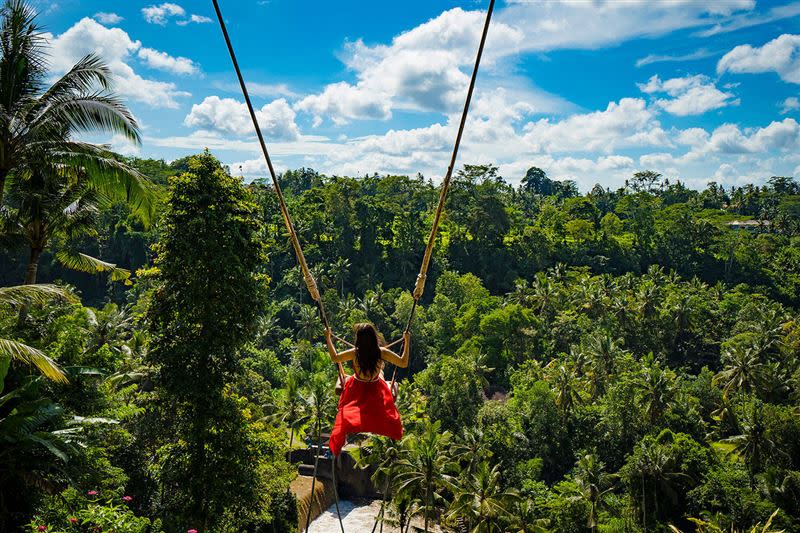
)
(616, 360)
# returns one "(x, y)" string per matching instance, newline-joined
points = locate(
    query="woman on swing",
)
(366, 404)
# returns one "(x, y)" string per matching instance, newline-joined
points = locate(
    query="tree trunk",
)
(30, 279)
(291, 441)
(3, 176)
(33, 265)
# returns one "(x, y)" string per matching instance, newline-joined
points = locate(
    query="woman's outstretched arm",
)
(399, 360)
(338, 357)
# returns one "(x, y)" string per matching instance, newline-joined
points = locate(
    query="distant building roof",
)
(748, 223)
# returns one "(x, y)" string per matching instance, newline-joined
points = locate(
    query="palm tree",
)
(49, 207)
(654, 473)
(657, 387)
(543, 293)
(593, 483)
(347, 305)
(12, 350)
(294, 412)
(754, 444)
(321, 405)
(39, 123)
(742, 369)
(525, 519)
(34, 446)
(604, 351)
(381, 454)
(338, 271)
(470, 450)
(308, 323)
(482, 502)
(564, 380)
(112, 326)
(425, 468)
(704, 526)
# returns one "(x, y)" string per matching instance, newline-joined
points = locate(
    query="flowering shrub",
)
(97, 517)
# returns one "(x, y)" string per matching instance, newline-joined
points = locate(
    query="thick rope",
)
(314, 478)
(311, 283)
(336, 492)
(419, 287)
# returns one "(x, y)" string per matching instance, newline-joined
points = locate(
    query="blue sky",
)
(588, 90)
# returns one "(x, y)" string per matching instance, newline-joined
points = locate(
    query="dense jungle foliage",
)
(616, 361)
(621, 360)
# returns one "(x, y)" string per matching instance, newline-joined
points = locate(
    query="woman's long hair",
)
(368, 348)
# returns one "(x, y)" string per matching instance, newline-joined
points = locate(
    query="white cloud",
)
(159, 14)
(789, 105)
(692, 95)
(196, 19)
(424, 69)
(164, 61)
(627, 123)
(162, 13)
(746, 20)
(264, 90)
(655, 58)
(780, 55)
(108, 18)
(569, 24)
(226, 115)
(343, 102)
(116, 47)
(730, 139)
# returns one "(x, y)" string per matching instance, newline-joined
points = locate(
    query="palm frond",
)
(87, 74)
(110, 177)
(22, 57)
(82, 113)
(34, 294)
(23, 353)
(91, 265)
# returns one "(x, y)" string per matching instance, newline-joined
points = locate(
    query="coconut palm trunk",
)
(33, 266)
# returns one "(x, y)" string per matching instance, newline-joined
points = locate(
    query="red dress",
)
(365, 407)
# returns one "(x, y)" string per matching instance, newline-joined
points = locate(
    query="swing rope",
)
(419, 287)
(311, 283)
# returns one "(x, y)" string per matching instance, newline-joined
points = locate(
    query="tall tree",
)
(205, 306)
(37, 121)
(425, 469)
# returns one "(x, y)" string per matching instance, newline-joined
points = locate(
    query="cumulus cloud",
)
(424, 69)
(159, 14)
(730, 139)
(343, 102)
(108, 18)
(226, 115)
(691, 95)
(780, 55)
(162, 13)
(789, 105)
(164, 61)
(116, 47)
(627, 123)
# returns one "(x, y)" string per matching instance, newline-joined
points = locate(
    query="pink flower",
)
(73, 520)
(192, 531)
(41, 528)
(92, 493)
(127, 499)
